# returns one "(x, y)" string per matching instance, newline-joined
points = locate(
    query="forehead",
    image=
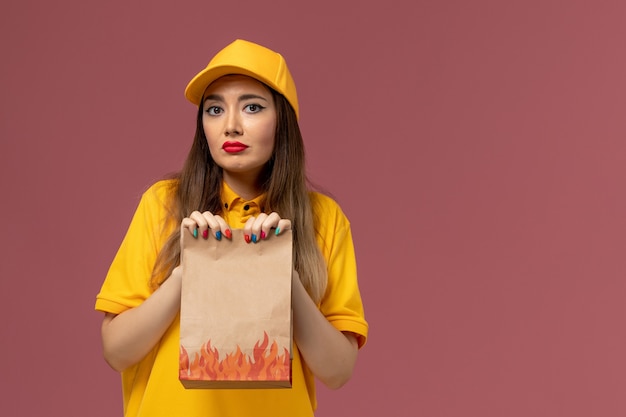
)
(238, 84)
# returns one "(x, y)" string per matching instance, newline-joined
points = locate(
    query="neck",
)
(245, 185)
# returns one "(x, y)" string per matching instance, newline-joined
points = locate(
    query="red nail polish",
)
(262, 234)
(205, 233)
(228, 234)
(246, 238)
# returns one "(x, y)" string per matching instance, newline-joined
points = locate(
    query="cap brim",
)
(198, 84)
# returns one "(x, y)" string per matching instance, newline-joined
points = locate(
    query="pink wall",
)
(477, 147)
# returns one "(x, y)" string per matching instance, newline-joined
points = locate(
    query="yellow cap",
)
(246, 58)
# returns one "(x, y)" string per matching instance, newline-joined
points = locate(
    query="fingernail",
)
(218, 235)
(277, 231)
(253, 238)
(262, 235)
(227, 233)
(205, 233)
(246, 238)
(195, 233)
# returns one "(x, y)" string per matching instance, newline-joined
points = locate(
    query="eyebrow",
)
(243, 97)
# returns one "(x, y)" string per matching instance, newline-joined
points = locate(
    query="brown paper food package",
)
(235, 315)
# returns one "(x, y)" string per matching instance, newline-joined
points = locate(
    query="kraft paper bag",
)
(235, 315)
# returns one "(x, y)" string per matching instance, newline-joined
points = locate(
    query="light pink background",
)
(477, 147)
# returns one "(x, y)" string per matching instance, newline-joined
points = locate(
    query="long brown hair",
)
(199, 186)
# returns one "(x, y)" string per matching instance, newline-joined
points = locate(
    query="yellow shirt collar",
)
(236, 210)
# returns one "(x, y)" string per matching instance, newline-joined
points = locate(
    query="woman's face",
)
(239, 122)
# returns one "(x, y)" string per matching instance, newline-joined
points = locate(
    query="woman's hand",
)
(202, 223)
(329, 353)
(258, 228)
(129, 336)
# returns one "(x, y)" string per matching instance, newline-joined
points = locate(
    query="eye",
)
(253, 108)
(213, 110)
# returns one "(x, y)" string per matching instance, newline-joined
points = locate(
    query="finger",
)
(202, 223)
(247, 229)
(252, 228)
(224, 228)
(213, 224)
(283, 225)
(258, 228)
(255, 227)
(191, 223)
(271, 222)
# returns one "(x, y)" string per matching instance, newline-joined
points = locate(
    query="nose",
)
(233, 126)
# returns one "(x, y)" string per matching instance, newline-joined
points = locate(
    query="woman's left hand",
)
(258, 228)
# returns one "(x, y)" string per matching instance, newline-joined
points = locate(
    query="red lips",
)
(234, 147)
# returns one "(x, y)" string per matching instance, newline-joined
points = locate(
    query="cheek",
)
(210, 135)
(269, 135)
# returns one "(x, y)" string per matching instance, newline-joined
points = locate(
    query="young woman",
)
(245, 170)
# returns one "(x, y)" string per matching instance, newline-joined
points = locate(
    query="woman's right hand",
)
(201, 224)
(129, 336)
